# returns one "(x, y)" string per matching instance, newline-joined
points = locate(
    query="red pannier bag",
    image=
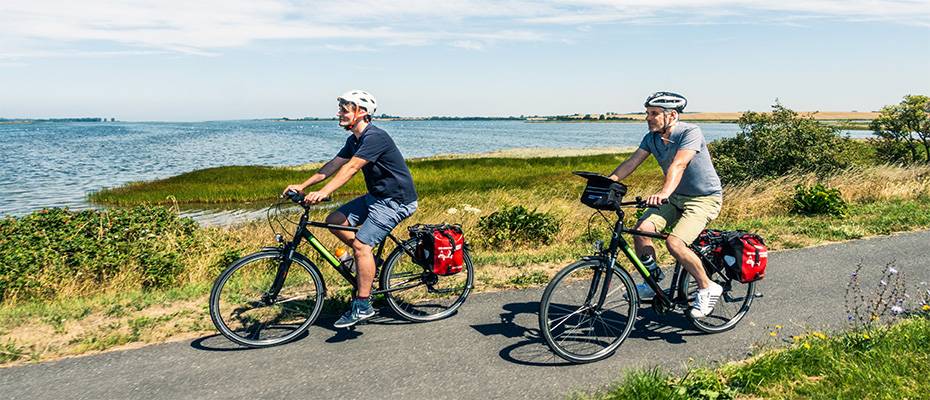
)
(745, 256)
(440, 247)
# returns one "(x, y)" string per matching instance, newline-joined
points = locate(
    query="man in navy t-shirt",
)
(390, 199)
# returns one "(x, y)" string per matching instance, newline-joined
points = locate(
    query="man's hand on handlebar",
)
(293, 188)
(315, 197)
(657, 199)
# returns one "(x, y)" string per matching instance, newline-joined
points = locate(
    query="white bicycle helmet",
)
(667, 100)
(360, 98)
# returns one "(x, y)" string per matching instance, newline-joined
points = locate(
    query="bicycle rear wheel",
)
(244, 311)
(419, 295)
(571, 325)
(732, 306)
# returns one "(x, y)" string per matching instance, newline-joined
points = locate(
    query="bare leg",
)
(688, 260)
(337, 218)
(643, 244)
(366, 267)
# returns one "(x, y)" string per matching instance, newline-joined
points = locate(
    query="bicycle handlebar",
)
(640, 203)
(298, 197)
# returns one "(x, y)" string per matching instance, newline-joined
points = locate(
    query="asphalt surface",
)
(491, 349)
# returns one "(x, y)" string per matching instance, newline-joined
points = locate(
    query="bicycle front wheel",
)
(573, 325)
(730, 308)
(419, 295)
(246, 311)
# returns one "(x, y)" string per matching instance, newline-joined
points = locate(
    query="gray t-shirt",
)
(700, 178)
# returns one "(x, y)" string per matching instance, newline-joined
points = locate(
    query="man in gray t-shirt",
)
(691, 187)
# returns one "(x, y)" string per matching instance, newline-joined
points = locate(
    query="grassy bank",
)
(74, 315)
(876, 363)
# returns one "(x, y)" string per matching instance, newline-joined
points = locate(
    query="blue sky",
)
(231, 59)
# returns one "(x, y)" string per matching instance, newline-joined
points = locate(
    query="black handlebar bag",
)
(601, 192)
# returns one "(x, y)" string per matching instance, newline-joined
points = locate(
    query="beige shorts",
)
(688, 215)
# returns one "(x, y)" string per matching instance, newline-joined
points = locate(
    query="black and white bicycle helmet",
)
(360, 98)
(667, 100)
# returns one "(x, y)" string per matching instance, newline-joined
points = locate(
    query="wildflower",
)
(773, 334)
(892, 270)
(897, 309)
(819, 335)
(883, 282)
(452, 210)
(778, 326)
(472, 210)
(866, 336)
(849, 317)
(925, 307)
(806, 345)
(854, 274)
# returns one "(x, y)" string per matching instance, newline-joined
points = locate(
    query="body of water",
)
(57, 164)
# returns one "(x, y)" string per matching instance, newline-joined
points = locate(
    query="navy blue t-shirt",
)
(386, 173)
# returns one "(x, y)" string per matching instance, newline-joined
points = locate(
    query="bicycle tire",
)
(239, 312)
(730, 308)
(431, 297)
(572, 280)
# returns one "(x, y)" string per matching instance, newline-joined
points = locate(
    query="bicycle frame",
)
(617, 243)
(302, 233)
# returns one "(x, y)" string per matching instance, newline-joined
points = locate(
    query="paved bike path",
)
(489, 350)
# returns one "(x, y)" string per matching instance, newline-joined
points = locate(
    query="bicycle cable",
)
(587, 232)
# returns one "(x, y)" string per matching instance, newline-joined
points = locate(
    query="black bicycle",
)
(590, 306)
(274, 295)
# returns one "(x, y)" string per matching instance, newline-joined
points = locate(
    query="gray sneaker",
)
(360, 310)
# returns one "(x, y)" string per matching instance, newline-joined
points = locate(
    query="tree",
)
(774, 144)
(903, 130)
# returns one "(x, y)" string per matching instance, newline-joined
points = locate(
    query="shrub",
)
(515, 226)
(903, 131)
(818, 199)
(48, 250)
(771, 145)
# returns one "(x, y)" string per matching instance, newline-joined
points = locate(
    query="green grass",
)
(876, 363)
(434, 177)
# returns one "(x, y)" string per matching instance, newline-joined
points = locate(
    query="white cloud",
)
(909, 12)
(206, 27)
(468, 44)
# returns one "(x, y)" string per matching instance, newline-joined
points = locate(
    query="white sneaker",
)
(705, 300)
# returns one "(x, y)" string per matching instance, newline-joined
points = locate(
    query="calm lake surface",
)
(57, 164)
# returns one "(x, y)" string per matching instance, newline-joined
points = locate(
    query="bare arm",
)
(324, 172)
(345, 172)
(629, 165)
(673, 176)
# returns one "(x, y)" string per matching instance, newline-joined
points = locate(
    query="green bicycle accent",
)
(636, 262)
(324, 252)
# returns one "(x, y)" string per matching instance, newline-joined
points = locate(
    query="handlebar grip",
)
(298, 197)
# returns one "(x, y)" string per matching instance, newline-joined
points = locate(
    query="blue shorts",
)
(375, 217)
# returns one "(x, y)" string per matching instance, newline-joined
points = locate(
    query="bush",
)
(771, 145)
(515, 226)
(903, 131)
(818, 199)
(48, 250)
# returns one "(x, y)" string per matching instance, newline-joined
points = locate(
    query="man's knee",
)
(360, 248)
(336, 218)
(646, 226)
(675, 245)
